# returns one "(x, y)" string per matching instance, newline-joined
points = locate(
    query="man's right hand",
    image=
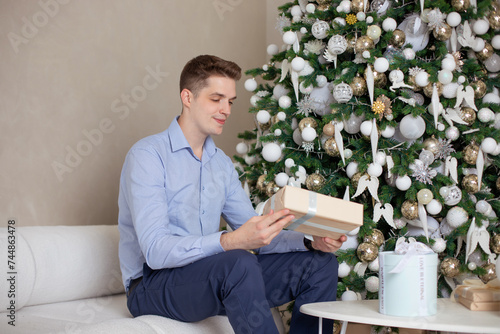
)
(257, 232)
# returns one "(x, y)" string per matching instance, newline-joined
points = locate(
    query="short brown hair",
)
(195, 73)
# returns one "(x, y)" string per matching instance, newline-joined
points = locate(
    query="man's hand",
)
(257, 232)
(328, 245)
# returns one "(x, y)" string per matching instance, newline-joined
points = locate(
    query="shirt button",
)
(203, 188)
(203, 212)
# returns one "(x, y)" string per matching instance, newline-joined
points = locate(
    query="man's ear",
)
(186, 97)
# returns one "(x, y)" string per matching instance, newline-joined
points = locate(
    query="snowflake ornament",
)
(282, 22)
(436, 18)
(414, 71)
(308, 146)
(314, 46)
(305, 106)
(444, 149)
(422, 172)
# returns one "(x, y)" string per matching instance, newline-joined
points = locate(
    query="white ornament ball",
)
(348, 153)
(374, 265)
(271, 152)
(263, 116)
(481, 27)
(278, 132)
(285, 102)
(298, 64)
(342, 92)
(250, 160)
(254, 99)
(281, 116)
(279, 90)
(272, 49)
(344, 270)
(403, 183)
(281, 179)
(479, 44)
(289, 163)
(409, 54)
(289, 37)
(361, 16)
(366, 54)
(450, 90)
(369, 19)
(296, 11)
(380, 158)
(305, 90)
(445, 76)
(344, 7)
(321, 80)
(439, 245)
(495, 42)
(388, 132)
(349, 296)
(492, 64)
(448, 63)
(456, 216)
(422, 79)
(250, 85)
(372, 283)
(381, 65)
(472, 266)
(488, 145)
(310, 8)
(375, 170)
(485, 115)
(340, 21)
(389, 24)
(351, 169)
(491, 97)
(412, 127)
(366, 128)
(453, 19)
(452, 133)
(434, 207)
(320, 29)
(309, 134)
(242, 148)
(483, 207)
(297, 136)
(373, 32)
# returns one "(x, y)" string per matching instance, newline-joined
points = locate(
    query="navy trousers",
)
(242, 286)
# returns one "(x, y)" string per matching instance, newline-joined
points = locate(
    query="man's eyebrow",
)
(222, 95)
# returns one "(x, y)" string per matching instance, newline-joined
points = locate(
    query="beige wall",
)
(105, 70)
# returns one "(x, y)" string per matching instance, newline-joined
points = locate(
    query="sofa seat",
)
(68, 281)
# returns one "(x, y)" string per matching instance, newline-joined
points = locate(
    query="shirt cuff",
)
(211, 244)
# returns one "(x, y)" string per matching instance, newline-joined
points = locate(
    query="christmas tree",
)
(393, 104)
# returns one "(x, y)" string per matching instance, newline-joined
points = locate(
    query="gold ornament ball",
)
(331, 148)
(494, 19)
(336, 328)
(460, 5)
(470, 183)
(398, 38)
(413, 83)
(495, 243)
(358, 6)
(432, 144)
(479, 89)
(307, 122)
(450, 267)
(468, 115)
(498, 183)
(470, 153)
(315, 181)
(442, 33)
(272, 188)
(376, 237)
(409, 209)
(262, 183)
(429, 89)
(264, 126)
(328, 129)
(485, 53)
(351, 44)
(379, 79)
(358, 86)
(490, 273)
(355, 179)
(364, 43)
(367, 252)
(274, 119)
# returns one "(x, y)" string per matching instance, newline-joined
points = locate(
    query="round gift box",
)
(411, 290)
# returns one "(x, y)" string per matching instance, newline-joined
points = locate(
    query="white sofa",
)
(67, 279)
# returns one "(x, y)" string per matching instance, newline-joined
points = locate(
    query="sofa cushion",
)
(61, 263)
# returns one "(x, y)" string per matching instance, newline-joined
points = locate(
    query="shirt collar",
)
(178, 141)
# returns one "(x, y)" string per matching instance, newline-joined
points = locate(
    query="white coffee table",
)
(450, 317)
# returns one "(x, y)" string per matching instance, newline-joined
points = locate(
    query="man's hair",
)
(195, 73)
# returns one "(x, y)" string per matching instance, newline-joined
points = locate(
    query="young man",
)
(175, 262)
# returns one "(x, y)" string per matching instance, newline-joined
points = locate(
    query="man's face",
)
(211, 108)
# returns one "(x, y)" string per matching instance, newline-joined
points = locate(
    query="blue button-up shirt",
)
(170, 204)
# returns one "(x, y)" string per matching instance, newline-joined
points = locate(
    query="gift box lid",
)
(317, 214)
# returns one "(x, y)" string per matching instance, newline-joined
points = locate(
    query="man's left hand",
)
(328, 245)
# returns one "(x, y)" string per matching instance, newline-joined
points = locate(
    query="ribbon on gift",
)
(493, 285)
(311, 212)
(408, 249)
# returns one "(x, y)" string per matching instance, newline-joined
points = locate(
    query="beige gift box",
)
(316, 214)
(479, 306)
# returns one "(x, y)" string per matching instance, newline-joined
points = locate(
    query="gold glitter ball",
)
(307, 122)
(409, 209)
(331, 148)
(495, 243)
(315, 181)
(272, 188)
(262, 183)
(450, 267)
(376, 237)
(470, 183)
(358, 86)
(460, 5)
(443, 32)
(358, 6)
(398, 38)
(490, 273)
(351, 19)
(470, 153)
(468, 115)
(367, 252)
(378, 107)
